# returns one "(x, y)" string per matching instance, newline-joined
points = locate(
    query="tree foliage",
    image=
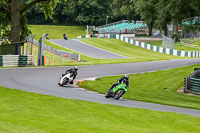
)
(159, 13)
(147, 11)
(124, 9)
(4, 18)
(13, 20)
(155, 13)
(73, 12)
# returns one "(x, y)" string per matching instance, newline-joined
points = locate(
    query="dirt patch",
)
(181, 90)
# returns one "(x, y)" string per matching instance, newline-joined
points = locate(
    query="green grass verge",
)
(85, 60)
(156, 87)
(119, 47)
(128, 50)
(24, 112)
(56, 32)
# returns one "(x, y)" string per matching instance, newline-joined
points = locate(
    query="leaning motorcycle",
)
(117, 91)
(65, 79)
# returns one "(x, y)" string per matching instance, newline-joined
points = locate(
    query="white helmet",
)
(76, 68)
(126, 76)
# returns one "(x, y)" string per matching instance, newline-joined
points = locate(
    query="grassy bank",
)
(125, 49)
(156, 87)
(26, 112)
(134, 54)
(53, 60)
(56, 32)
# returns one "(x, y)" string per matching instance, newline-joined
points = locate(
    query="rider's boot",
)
(72, 82)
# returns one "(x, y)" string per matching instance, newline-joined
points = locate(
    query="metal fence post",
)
(40, 50)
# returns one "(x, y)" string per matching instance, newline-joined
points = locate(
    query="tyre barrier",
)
(1, 61)
(192, 82)
(16, 60)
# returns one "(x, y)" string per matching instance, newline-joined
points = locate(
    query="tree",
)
(173, 12)
(4, 19)
(13, 11)
(91, 12)
(74, 12)
(192, 12)
(124, 9)
(180, 10)
(147, 11)
(163, 15)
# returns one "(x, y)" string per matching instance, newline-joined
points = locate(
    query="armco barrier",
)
(156, 48)
(16, 60)
(58, 52)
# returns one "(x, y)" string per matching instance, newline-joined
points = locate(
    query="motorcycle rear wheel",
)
(107, 95)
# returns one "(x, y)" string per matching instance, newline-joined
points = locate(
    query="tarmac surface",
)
(85, 49)
(44, 80)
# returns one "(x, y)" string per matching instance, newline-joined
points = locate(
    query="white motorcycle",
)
(65, 79)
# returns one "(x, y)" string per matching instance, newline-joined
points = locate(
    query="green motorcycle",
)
(117, 91)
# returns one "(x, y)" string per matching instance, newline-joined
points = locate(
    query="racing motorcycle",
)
(117, 91)
(65, 79)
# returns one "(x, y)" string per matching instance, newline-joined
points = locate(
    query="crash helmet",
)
(126, 77)
(76, 68)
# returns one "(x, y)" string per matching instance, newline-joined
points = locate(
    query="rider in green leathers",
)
(119, 81)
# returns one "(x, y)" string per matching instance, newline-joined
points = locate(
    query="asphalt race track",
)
(44, 80)
(86, 49)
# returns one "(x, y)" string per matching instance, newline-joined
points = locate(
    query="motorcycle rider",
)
(73, 72)
(119, 81)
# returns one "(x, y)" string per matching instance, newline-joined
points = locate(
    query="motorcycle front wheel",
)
(118, 94)
(65, 81)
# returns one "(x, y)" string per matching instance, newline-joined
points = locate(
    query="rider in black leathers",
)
(119, 81)
(73, 72)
